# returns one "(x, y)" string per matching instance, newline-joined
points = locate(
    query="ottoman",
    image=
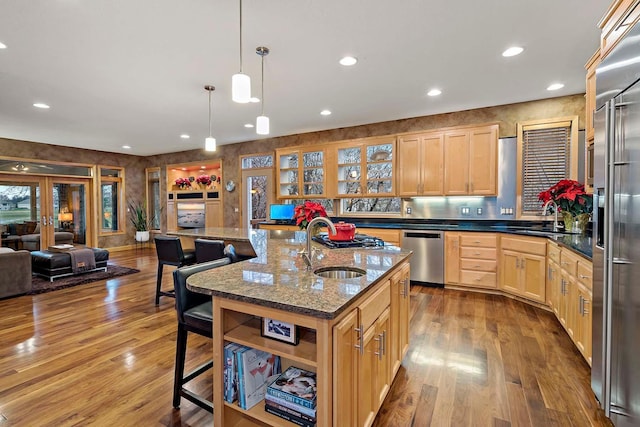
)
(53, 265)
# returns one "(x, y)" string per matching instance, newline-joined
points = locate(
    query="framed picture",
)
(281, 331)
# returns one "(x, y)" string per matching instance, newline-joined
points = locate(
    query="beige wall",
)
(506, 115)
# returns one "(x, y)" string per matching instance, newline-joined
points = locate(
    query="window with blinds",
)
(547, 153)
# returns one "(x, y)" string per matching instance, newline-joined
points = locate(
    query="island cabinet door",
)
(367, 390)
(383, 363)
(345, 371)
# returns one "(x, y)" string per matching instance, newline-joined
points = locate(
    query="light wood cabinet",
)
(399, 341)
(451, 257)
(522, 267)
(618, 20)
(420, 171)
(590, 105)
(301, 172)
(369, 344)
(363, 168)
(470, 161)
(470, 259)
(552, 290)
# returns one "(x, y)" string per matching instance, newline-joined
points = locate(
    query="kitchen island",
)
(352, 332)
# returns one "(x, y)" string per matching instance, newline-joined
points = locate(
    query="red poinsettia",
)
(305, 212)
(569, 196)
(183, 182)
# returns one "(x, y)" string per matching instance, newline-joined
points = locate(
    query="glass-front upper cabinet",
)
(365, 167)
(301, 173)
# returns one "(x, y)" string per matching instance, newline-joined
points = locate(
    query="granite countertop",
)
(277, 277)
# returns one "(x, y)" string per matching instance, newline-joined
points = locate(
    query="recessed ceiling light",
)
(555, 86)
(184, 169)
(434, 92)
(203, 167)
(348, 61)
(248, 125)
(41, 105)
(126, 147)
(3, 46)
(325, 112)
(254, 99)
(185, 136)
(512, 51)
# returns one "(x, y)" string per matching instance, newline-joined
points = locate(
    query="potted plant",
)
(572, 201)
(140, 220)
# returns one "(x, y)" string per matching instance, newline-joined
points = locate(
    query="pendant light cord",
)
(240, 36)
(209, 114)
(262, 86)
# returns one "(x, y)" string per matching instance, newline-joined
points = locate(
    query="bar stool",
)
(194, 315)
(169, 250)
(209, 250)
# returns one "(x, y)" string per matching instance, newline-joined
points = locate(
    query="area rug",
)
(40, 285)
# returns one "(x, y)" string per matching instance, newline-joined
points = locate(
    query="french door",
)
(44, 205)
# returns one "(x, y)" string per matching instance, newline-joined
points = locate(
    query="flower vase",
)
(202, 186)
(581, 221)
(568, 220)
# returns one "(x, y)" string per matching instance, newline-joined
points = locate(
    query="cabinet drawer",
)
(478, 278)
(568, 262)
(374, 305)
(478, 253)
(478, 240)
(585, 274)
(553, 252)
(478, 265)
(529, 245)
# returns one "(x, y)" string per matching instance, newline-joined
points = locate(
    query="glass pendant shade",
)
(262, 125)
(210, 144)
(241, 88)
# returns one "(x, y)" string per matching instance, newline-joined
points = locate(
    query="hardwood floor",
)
(102, 354)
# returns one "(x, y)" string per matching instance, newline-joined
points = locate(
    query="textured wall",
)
(134, 171)
(506, 115)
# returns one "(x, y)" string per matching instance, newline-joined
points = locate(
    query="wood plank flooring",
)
(102, 354)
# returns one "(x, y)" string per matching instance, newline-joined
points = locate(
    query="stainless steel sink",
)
(339, 272)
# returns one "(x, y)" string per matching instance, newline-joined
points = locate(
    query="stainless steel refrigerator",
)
(615, 375)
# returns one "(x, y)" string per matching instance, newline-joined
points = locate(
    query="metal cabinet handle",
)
(582, 276)
(584, 308)
(562, 286)
(517, 262)
(51, 220)
(476, 241)
(581, 306)
(360, 345)
(384, 342)
(44, 220)
(379, 352)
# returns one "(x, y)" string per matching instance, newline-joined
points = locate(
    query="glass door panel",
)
(19, 210)
(70, 209)
(257, 196)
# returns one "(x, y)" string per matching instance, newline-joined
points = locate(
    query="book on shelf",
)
(294, 412)
(303, 410)
(230, 372)
(255, 370)
(295, 385)
(288, 417)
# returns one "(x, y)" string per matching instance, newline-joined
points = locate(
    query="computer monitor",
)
(281, 213)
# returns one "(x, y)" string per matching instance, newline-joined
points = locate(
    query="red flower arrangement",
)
(305, 212)
(203, 179)
(183, 183)
(569, 196)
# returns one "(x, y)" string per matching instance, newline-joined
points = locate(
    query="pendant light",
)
(210, 142)
(262, 122)
(240, 82)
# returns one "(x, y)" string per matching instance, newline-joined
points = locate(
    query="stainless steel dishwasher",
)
(427, 262)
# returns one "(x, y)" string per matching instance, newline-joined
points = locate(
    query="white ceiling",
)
(131, 72)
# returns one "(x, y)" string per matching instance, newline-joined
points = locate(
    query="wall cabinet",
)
(301, 173)
(470, 259)
(618, 20)
(590, 104)
(420, 171)
(470, 161)
(522, 267)
(364, 168)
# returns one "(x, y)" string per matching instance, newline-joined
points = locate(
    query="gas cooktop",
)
(359, 241)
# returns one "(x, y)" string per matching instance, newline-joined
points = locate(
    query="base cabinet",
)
(470, 259)
(522, 267)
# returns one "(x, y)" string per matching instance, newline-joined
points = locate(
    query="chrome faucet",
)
(556, 226)
(307, 255)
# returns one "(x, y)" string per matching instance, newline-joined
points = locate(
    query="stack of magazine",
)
(292, 396)
(246, 374)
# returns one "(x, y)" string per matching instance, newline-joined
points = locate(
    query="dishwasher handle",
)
(422, 235)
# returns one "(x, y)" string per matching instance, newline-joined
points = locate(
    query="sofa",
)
(31, 242)
(16, 272)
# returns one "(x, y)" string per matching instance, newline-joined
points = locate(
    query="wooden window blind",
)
(546, 155)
